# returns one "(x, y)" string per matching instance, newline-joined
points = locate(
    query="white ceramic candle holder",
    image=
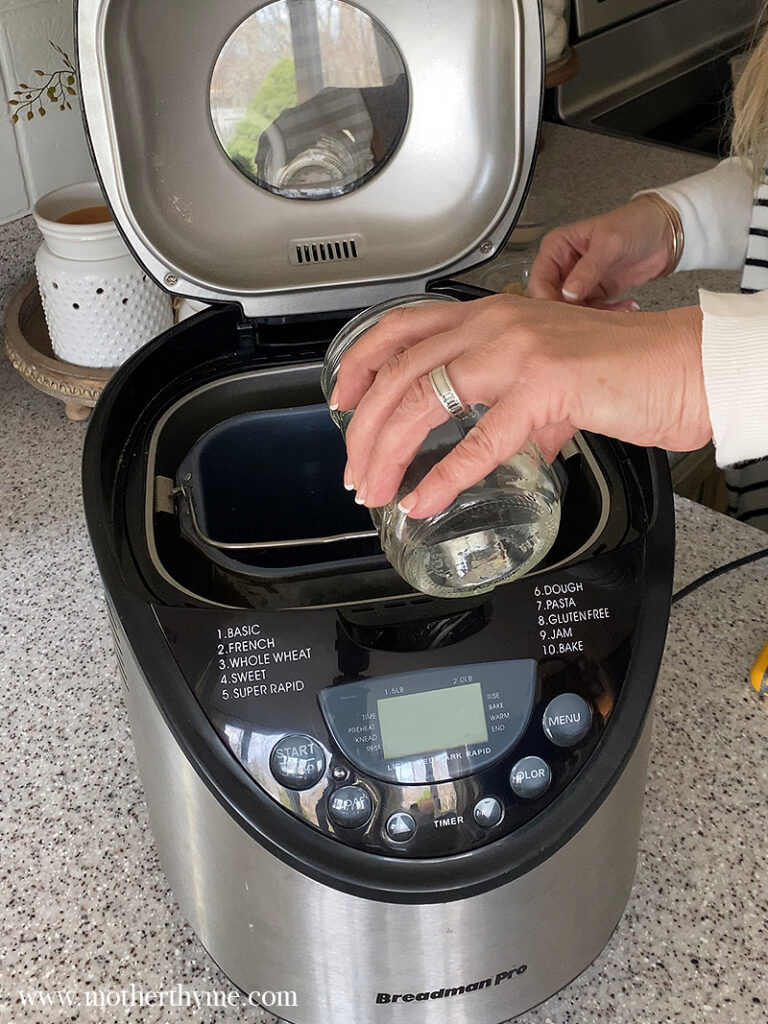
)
(99, 304)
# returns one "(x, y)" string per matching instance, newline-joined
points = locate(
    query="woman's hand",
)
(594, 262)
(544, 370)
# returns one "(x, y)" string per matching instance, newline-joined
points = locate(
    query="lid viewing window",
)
(309, 98)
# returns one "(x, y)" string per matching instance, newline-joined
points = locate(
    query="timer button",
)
(297, 761)
(488, 812)
(530, 778)
(567, 719)
(400, 827)
(350, 806)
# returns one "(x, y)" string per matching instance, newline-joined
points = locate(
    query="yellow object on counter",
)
(759, 674)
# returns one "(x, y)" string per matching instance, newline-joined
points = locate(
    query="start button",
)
(297, 761)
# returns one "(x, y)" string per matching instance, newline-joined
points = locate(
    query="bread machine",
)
(404, 810)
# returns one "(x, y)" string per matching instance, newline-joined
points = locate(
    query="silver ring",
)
(446, 396)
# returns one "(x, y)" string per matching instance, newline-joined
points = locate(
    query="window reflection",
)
(309, 98)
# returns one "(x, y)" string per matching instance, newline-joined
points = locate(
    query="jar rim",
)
(360, 324)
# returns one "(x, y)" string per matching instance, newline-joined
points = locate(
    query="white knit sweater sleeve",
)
(715, 208)
(735, 358)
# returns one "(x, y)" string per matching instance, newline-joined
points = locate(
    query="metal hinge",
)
(164, 492)
(248, 336)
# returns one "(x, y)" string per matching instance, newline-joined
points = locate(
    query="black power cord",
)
(721, 570)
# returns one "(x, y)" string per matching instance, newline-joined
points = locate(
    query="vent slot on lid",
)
(305, 251)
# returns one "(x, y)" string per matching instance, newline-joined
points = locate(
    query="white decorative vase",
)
(99, 304)
(188, 308)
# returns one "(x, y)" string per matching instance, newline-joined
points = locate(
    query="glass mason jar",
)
(494, 531)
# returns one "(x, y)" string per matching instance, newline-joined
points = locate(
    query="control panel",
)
(432, 725)
(433, 747)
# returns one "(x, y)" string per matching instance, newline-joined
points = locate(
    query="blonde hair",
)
(749, 136)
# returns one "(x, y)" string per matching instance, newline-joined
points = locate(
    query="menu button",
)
(567, 719)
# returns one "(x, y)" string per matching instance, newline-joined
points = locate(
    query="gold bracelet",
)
(676, 228)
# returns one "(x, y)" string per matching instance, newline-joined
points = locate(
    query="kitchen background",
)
(662, 71)
(637, 68)
(645, 69)
(36, 155)
(83, 900)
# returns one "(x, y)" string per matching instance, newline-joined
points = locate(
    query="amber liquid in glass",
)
(88, 215)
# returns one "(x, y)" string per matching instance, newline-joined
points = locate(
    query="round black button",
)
(400, 827)
(297, 761)
(488, 812)
(567, 719)
(350, 806)
(530, 778)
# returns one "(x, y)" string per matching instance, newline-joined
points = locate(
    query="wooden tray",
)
(561, 70)
(28, 347)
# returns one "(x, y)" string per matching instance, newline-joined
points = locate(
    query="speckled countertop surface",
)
(83, 903)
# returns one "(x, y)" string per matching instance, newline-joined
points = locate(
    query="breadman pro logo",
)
(448, 993)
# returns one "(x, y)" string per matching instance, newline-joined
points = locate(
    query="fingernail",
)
(407, 504)
(360, 496)
(333, 401)
(348, 483)
(634, 307)
(570, 295)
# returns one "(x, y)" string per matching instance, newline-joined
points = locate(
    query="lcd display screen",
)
(420, 723)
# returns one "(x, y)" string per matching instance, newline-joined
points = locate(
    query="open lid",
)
(298, 156)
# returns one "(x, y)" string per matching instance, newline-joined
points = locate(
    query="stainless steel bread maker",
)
(403, 810)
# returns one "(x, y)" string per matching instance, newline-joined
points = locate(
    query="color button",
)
(530, 778)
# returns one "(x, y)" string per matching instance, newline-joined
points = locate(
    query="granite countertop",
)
(84, 904)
